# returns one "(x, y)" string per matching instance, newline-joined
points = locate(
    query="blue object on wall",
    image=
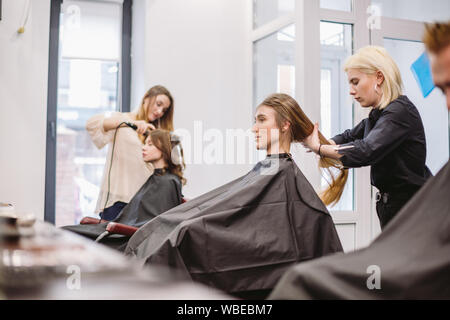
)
(422, 72)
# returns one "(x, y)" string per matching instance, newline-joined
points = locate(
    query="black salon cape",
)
(412, 254)
(160, 193)
(244, 235)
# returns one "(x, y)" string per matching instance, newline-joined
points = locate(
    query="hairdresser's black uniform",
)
(392, 142)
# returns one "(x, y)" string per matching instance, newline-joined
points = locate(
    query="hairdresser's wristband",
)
(319, 150)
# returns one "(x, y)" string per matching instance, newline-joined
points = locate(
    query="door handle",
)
(52, 128)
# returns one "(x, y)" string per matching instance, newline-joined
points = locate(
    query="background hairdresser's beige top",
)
(129, 171)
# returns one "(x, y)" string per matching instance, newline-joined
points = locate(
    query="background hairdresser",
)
(125, 171)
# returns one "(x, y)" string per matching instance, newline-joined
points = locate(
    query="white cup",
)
(7, 210)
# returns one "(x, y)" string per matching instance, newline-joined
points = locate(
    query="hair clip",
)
(174, 138)
(343, 148)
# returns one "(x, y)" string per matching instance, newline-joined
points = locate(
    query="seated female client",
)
(161, 192)
(241, 237)
(125, 172)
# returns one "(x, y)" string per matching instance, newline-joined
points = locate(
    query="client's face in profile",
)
(156, 107)
(266, 129)
(150, 153)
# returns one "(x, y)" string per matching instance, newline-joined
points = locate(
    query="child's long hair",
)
(287, 109)
(171, 149)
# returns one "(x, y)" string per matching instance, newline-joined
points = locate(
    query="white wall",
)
(23, 104)
(200, 50)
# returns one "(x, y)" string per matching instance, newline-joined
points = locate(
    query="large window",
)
(274, 67)
(89, 82)
(90, 44)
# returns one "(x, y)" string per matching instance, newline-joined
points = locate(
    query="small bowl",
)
(26, 219)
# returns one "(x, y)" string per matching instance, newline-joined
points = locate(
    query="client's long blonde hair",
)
(287, 109)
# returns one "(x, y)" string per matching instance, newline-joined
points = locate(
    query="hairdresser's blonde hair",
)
(287, 109)
(166, 121)
(372, 59)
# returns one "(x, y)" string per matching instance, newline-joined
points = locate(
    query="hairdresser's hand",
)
(143, 126)
(313, 142)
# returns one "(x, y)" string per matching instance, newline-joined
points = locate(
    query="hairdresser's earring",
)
(376, 88)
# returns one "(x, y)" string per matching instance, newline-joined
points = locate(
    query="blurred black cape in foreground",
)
(244, 235)
(412, 253)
